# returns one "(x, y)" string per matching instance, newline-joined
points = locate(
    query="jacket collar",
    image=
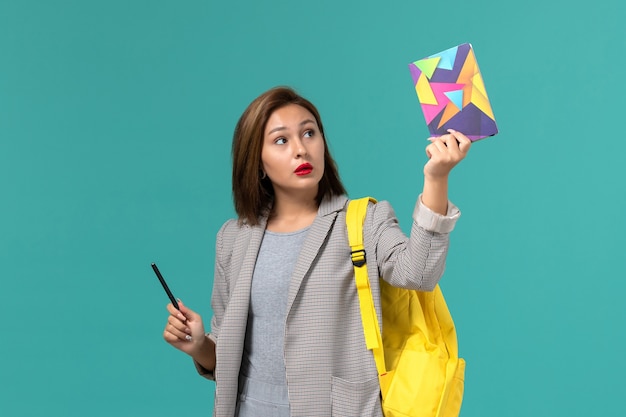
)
(332, 204)
(316, 236)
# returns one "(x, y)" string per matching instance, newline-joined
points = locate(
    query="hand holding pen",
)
(185, 330)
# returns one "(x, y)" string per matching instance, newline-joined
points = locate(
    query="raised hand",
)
(444, 153)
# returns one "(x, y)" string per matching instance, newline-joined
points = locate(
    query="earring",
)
(264, 175)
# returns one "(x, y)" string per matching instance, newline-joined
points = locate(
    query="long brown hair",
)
(253, 194)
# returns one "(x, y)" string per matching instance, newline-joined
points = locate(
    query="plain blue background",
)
(115, 125)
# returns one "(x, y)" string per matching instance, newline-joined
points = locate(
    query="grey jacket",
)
(329, 370)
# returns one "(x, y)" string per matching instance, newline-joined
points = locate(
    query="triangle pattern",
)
(428, 66)
(415, 73)
(447, 58)
(456, 97)
(449, 112)
(424, 91)
(439, 90)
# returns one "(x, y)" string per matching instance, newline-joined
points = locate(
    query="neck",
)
(291, 213)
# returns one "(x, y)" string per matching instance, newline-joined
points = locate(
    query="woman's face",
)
(293, 151)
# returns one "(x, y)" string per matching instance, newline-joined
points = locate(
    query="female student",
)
(286, 337)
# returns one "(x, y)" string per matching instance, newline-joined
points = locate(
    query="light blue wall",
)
(115, 127)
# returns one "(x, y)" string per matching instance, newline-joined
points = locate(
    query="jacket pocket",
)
(355, 399)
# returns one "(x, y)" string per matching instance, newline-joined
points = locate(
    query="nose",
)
(299, 148)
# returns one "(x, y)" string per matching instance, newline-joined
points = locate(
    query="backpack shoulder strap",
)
(355, 217)
(354, 220)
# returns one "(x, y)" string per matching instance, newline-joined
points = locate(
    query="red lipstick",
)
(304, 169)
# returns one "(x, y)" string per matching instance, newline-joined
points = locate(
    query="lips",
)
(304, 169)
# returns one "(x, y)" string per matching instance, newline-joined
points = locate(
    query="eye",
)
(309, 133)
(280, 141)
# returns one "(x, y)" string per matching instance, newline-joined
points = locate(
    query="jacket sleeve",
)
(416, 262)
(221, 288)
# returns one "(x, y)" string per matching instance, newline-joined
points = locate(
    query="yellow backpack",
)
(417, 359)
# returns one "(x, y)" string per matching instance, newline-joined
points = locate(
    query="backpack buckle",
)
(358, 257)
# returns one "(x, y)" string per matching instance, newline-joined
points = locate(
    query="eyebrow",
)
(302, 123)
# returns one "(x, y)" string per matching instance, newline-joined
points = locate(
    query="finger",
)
(464, 142)
(176, 338)
(444, 139)
(193, 320)
(178, 324)
(183, 308)
(459, 135)
(435, 149)
(434, 139)
(431, 147)
(186, 311)
(175, 333)
(454, 141)
(176, 313)
(465, 145)
(171, 309)
(440, 144)
(451, 143)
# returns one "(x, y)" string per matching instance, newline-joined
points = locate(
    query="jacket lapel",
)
(233, 328)
(321, 227)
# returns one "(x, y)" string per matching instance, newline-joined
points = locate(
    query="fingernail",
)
(180, 316)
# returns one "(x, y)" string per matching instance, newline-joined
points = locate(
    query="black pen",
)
(165, 287)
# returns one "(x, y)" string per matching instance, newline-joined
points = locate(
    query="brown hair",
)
(252, 194)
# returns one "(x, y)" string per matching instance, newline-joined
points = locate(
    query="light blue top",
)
(263, 356)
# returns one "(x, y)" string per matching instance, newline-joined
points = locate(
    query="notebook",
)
(452, 93)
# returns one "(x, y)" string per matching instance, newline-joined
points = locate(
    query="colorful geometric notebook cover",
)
(452, 93)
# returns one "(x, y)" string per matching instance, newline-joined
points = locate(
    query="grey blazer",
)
(329, 370)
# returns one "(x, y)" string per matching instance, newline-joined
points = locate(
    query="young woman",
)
(286, 337)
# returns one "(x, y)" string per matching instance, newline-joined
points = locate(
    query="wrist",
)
(435, 194)
(200, 345)
(204, 352)
(435, 179)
